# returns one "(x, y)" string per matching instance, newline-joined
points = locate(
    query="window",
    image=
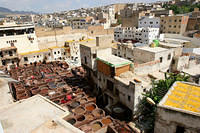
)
(1, 54)
(169, 57)
(58, 52)
(85, 60)
(110, 85)
(12, 45)
(180, 129)
(173, 61)
(161, 59)
(151, 22)
(25, 58)
(129, 98)
(54, 52)
(10, 53)
(117, 92)
(37, 56)
(94, 55)
(170, 26)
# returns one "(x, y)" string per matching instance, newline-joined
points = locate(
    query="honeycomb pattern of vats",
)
(184, 96)
(67, 88)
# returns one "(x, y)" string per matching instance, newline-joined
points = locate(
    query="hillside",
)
(5, 11)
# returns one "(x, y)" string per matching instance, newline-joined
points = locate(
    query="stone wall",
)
(167, 121)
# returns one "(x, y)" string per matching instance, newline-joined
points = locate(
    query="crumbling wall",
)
(168, 120)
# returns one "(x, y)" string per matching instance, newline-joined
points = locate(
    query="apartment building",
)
(151, 22)
(118, 80)
(21, 36)
(174, 24)
(79, 24)
(45, 55)
(142, 35)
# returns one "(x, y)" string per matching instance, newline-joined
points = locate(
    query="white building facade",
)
(23, 37)
(142, 35)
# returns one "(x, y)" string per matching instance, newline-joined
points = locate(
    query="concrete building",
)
(21, 36)
(142, 35)
(194, 20)
(179, 110)
(9, 57)
(129, 17)
(174, 24)
(79, 24)
(116, 79)
(151, 22)
(33, 113)
(47, 55)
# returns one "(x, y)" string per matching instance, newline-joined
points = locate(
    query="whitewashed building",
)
(150, 21)
(142, 35)
(22, 37)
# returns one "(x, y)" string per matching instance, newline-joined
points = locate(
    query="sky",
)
(46, 6)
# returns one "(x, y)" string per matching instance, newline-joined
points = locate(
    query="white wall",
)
(142, 35)
(22, 42)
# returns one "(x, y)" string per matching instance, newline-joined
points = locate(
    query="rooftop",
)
(153, 50)
(146, 80)
(56, 126)
(113, 61)
(183, 97)
(171, 45)
(129, 76)
(15, 26)
(26, 115)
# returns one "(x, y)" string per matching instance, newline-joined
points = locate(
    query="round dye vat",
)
(89, 117)
(96, 126)
(86, 128)
(79, 110)
(75, 104)
(83, 100)
(106, 121)
(72, 121)
(80, 95)
(98, 113)
(80, 118)
(90, 107)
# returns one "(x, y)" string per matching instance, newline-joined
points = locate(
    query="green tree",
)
(159, 89)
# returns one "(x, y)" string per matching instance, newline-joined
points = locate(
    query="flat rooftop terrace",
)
(171, 45)
(113, 61)
(153, 50)
(183, 97)
(26, 115)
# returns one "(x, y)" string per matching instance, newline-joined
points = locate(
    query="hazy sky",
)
(57, 5)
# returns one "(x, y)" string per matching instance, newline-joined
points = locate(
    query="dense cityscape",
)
(119, 68)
